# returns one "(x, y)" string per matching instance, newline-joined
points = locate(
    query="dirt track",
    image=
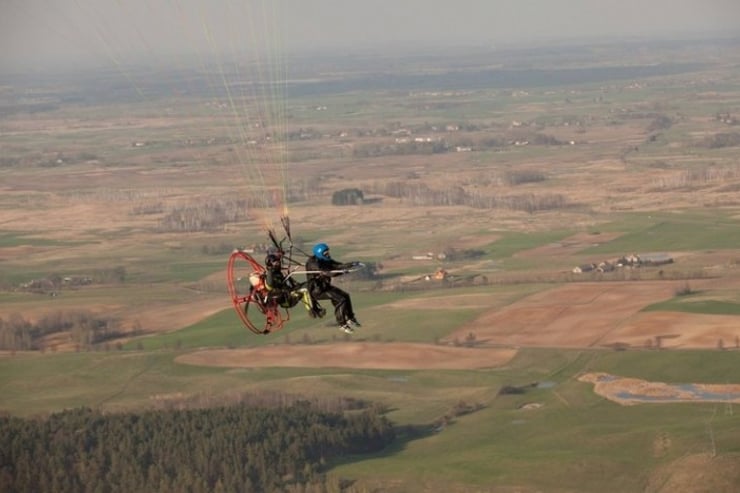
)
(395, 356)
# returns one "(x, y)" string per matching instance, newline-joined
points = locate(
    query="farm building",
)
(646, 259)
(655, 259)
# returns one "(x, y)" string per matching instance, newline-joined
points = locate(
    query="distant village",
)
(647, 259)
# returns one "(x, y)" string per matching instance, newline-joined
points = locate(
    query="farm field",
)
(504, 292)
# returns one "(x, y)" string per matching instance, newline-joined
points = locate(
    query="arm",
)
(345, 267)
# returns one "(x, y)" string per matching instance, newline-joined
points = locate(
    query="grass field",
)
(566, 436)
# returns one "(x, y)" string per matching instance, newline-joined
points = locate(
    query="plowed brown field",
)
(595, 314)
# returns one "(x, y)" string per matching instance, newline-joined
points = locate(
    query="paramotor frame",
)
(258, 311)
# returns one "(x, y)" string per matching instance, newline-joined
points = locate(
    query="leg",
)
(342, 304)
(310, 304)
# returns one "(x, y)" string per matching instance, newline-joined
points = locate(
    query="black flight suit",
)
(320, 287)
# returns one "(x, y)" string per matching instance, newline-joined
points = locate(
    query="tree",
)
(236, 448)
(348, 196)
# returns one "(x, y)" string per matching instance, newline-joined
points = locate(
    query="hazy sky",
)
(42, 32)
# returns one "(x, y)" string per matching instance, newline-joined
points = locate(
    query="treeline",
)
(213, 214)
(427, 146)
(46, 159)
(210, 215)
(84, 327)
(57, 282)
(422, 195)
(721, 140)
(348, 196)
(399, 149)
(698, 176)
(228, 449)
(521, 177)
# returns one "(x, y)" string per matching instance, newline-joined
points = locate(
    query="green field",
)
(574, 439)
(675, 231)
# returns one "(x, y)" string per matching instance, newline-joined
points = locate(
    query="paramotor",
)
(261, 309)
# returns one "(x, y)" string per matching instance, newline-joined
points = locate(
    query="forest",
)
(231, 448)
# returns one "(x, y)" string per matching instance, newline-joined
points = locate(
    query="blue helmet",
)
(321, 251)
